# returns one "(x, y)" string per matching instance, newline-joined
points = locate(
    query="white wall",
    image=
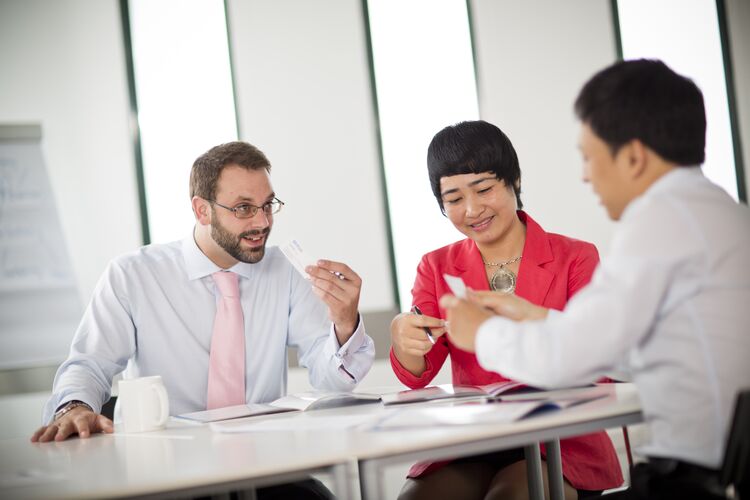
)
(738, 14)
(63, 66)
(532, 59)
(304, 98)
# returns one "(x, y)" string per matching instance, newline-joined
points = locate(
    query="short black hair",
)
(644, 99)
(473, 147)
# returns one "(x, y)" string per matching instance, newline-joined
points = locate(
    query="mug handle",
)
(161, 395)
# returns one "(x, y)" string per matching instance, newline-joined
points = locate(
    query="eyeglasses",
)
(247, 211)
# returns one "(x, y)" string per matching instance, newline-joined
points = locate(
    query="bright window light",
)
(685, 35)
(425, 80)
(185, 100)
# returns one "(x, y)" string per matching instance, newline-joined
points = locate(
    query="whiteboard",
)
(39, 302)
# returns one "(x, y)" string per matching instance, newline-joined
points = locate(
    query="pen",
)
(416, 310)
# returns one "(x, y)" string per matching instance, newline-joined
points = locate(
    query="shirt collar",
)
(674, 176)
(665, 183)
(198, 265)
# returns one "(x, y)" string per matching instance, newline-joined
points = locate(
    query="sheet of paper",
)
(297, 423)
(456, 284)
(231, 412)
(299, 259)
(465, 414)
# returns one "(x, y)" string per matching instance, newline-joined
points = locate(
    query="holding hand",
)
(410, 341)
(465, 317)
(508, 305)
(409, 337)
(81, 421)
(339, 287)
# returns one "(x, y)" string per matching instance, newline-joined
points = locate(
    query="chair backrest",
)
(736, 467)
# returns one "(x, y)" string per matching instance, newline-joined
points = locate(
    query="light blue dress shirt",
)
(152, 313)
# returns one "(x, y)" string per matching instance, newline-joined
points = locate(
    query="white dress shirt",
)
(152, 313)
(670, 305)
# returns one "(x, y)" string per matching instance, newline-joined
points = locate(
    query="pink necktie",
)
(226, 364)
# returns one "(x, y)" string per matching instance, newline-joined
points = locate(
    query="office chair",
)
(736, 467)
(108, 410)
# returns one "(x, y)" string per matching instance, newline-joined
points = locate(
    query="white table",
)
(621, 407)
(193, 460)
(183, 461)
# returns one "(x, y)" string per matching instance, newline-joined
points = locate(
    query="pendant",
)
(503, 280)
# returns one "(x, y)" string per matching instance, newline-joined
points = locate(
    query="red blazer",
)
(552, 270)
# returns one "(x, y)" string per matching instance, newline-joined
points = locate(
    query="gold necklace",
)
(503, 280)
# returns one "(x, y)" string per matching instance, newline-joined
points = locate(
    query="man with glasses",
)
(212, 314)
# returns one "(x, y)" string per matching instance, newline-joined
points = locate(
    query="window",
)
(685, 35)
(185, 100)
(425, 80)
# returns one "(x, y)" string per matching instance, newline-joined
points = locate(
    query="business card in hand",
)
(456, 284)
(299, 259)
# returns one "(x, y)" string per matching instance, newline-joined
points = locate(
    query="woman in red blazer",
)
(476, 179)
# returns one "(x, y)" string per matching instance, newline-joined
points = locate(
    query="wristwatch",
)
(65, 408)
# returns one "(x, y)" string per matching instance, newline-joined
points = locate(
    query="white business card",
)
(456, 284)
(299, 259)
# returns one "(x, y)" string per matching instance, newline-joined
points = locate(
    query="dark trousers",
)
(306, 489)
(667, 479)
(309, 489)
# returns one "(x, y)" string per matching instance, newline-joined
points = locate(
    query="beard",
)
(232, 243)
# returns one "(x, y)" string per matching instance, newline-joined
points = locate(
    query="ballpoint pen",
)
(416, 310)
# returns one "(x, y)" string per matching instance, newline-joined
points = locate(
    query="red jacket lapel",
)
(533, 280)
(465, 261)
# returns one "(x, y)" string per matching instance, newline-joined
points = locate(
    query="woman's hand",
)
(510, 306)
(410, 341)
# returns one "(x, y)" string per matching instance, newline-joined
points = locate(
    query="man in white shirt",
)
(153, 311)
(670, 304)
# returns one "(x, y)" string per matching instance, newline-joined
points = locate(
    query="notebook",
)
(294, 402)
(477, 412)
(448, 391)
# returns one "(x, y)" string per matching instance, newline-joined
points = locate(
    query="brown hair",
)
(207, 168)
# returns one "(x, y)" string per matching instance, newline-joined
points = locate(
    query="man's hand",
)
(410, 342)
(81, 421)
(338, 286)
(511, 306)
(464, 318)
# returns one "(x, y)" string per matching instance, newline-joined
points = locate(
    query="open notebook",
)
(479, 412)
(448, 391)
(501, 391)
(294, 402)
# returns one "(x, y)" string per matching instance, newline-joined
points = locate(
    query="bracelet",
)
(68, 407)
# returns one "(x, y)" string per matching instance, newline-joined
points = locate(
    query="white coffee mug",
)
(144, 404)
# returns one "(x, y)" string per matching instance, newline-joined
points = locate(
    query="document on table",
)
(232, 412)
(462, 414)
(303, 401)
(475, 413)
(453, 391)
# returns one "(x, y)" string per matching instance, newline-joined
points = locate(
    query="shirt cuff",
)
(351, 367)
(55, 404)
(491, 341)
(351, 345)
(408, 378)
(553, 313)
